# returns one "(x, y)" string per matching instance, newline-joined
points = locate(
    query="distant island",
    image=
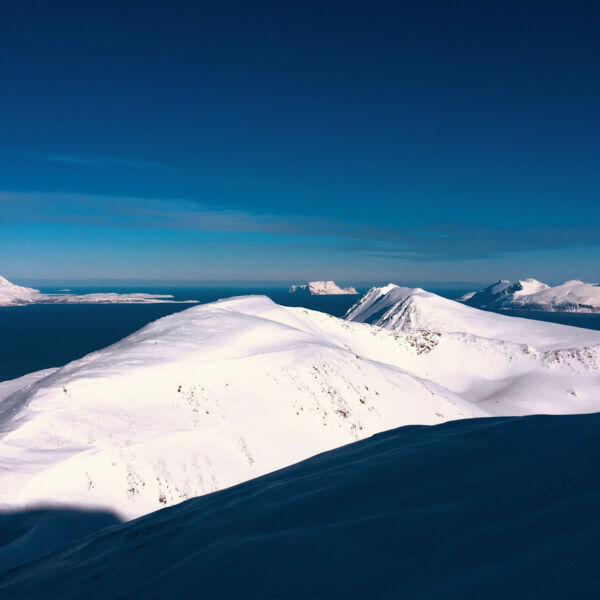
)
(531, 294)
(16, 295)
(321, 288)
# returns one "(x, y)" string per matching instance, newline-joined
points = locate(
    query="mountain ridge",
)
(529, 294)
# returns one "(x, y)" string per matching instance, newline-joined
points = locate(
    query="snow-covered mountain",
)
(484, 508)
(530, 294)
(506, 365)
(321, 288)
(202, 400)
(224, 392)
(15, 295)
(399, 308)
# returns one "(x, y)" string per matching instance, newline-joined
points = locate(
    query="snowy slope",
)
(202, 400)
(530, 294)
(14, 295)
(14, 385)
(485, 508)
(321, 288)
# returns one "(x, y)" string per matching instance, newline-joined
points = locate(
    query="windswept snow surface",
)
(530, 294)
(205, 399)
(321, 288)
(481, 508)
(14, 295)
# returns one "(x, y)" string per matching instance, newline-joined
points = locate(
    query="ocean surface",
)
(41, 336)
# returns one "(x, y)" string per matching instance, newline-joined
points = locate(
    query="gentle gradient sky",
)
(359, 141)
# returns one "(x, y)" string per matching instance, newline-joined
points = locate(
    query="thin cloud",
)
(94, 160)
(431, 242)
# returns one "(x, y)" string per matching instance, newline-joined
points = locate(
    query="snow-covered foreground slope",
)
(321, 288)
(530, 294)
(484, 508)
(14, 295)
(202, 400)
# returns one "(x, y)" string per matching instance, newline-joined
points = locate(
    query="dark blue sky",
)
(421, 141)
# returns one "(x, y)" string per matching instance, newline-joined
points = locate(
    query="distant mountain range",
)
(530, 294)
(321, 288)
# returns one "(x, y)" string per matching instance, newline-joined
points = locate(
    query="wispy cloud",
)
(92, 160)
(107, 161)
(431, 242)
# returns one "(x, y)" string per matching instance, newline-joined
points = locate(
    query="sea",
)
(40, 336)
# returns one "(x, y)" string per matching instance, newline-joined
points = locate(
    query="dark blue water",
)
(45, 335)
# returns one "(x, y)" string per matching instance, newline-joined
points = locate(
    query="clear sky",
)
(357, 141)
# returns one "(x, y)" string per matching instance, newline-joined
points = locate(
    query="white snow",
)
(321, 288)
(530, 294)
(221, 393)
(15, 295)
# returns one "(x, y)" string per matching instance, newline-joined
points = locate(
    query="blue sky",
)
(362, 142)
